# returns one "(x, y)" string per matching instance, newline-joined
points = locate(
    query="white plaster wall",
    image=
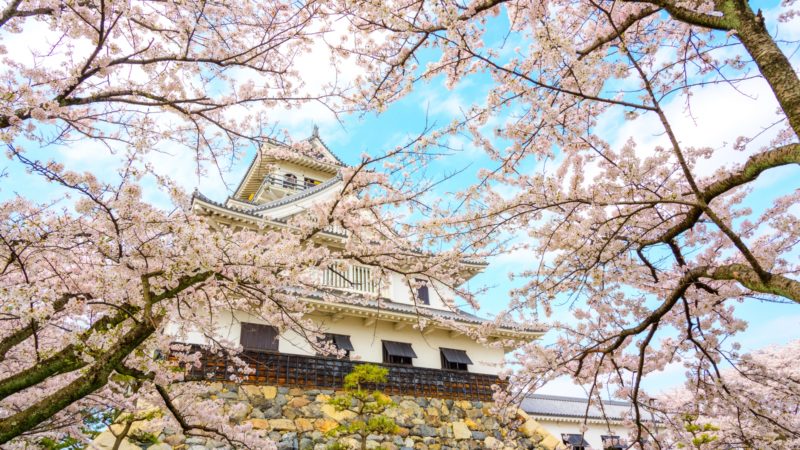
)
(224, 325)
(367, 344)
(400, 292)
(593, 433)
(367, 341)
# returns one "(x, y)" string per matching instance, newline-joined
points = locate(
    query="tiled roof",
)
(574, 407)
(249, 168)
(197, 195)
(456, 314)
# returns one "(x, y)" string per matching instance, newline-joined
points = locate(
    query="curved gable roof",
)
(324, 159)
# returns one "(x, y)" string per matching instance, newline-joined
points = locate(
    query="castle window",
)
(311, 182)
(340, 341)
(613, 443)
(422, 292)
(260, 338)
(574, 441)
(453, 359)
(290, 181)
(398, 353)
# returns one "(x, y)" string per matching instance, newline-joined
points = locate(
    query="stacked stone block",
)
(298, 419)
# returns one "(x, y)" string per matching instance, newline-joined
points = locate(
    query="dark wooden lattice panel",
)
(316, 372)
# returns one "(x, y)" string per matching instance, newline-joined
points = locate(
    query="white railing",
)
(350, 277)
(336, 229)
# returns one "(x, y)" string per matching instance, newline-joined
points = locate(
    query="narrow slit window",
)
(423, 295)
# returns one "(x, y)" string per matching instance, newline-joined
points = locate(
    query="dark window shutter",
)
(454, 359)
(398, 353)
(574, 441)
(342, 342)
(259, 337)
(613, 443)
(399, 349)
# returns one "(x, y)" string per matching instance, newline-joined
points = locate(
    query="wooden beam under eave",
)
(400, 325)
(369, 321)
(455, 333)
(428, 330)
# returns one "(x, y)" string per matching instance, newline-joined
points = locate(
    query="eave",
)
(247, 219)
(570, 419)
(405, 318)
(306, 161)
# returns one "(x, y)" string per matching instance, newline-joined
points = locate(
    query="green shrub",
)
(368, 406)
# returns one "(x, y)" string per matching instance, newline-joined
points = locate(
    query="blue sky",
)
(770, 323)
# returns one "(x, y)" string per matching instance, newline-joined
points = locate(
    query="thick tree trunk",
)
(769, 58)
(95, 377)
(752, 33)
(64, 361)
(67, 360)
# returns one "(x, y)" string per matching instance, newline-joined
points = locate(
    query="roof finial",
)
(315, 131)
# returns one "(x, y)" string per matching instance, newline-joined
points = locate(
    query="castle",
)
(440, 377)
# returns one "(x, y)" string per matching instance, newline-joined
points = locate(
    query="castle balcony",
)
(319, 372)
(276, 186)
(288, 182)
(352, 278)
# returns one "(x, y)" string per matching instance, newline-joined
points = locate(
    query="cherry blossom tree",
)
(651, 243)
(194, 74)
(713, 415)
(653, 250)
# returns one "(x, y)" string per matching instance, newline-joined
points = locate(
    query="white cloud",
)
(673, 376)
(777, 330)
(717, 116)
(318, 73)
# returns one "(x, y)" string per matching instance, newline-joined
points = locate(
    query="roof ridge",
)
(249, 168)
(325, 145)
(420, 310)
(577, 399)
